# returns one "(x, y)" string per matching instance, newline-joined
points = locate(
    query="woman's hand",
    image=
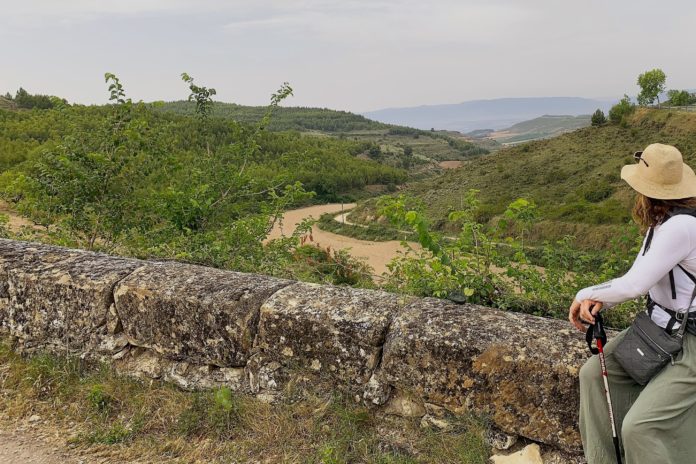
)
(583, 311)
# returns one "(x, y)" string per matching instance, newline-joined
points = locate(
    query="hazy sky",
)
(345, 54)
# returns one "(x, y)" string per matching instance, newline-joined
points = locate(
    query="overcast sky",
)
(345, 54)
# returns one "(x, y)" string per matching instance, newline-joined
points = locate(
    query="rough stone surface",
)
(15, 254)
(58, 298)
(519, 369)
(531, 454)
(193, 313)
(144, 363)
(404, 405)
(499, 439)
(335, 332)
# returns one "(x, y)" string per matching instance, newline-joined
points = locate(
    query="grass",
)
(126, 419)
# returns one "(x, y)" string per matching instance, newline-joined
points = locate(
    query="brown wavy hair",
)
(649, 212)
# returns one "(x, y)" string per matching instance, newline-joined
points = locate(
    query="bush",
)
(597, 191)
(217, 412)
(619, 112)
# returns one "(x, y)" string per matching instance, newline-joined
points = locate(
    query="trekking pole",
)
(597, 332)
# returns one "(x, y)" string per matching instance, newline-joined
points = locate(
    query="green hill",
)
(285, 118)
(573, 178)
(540, 128)
(392, 140)
(6, 103)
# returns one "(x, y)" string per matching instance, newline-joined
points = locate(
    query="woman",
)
(657, 422)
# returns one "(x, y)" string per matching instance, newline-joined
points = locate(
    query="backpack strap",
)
(648, 240)
(671, 284)
(675, 316)
(678, 211)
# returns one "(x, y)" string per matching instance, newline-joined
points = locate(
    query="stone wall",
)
(201, 327)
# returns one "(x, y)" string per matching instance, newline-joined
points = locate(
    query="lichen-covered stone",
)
(16, 254)
(145, 363)
(58, 297)
(192, 313)
(519, 369)
(335, 332)
(404, 405)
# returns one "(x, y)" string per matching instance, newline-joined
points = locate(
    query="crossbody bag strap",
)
(688, 274)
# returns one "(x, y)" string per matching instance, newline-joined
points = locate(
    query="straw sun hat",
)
(660, 174)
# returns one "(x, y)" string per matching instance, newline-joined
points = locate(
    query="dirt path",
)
(376, 254)
(16, 222)
(34, 447)
(450, 164)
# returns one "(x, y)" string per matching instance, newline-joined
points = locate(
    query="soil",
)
(16, 222)
(450, 164)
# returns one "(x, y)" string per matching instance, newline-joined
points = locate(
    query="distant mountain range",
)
(493, 114)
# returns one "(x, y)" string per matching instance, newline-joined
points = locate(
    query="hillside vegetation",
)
(574, 178)
(540, 128)
(285, 118)
(389, 143)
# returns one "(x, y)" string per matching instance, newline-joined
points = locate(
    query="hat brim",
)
(684, 189)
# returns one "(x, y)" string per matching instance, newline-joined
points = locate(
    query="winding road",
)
(376, 254)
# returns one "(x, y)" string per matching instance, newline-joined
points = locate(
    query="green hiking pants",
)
(656, 422)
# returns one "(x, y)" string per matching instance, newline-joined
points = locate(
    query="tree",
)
(24, 99)
(598, 118)
(652, 84)
(681, 97)
(621, 110)
(408, 157)
(203, 96)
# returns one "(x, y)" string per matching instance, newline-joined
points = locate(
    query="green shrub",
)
(99, 399)
(218, 412)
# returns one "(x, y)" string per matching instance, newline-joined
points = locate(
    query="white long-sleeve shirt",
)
(673, 242)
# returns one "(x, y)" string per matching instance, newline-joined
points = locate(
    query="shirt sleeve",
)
(668, 248)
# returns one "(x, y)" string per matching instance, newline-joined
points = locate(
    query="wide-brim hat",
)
(661, 173)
